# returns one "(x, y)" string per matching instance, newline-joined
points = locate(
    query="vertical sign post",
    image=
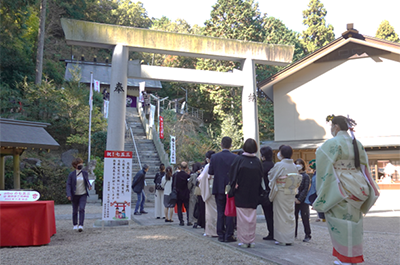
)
(173, 151)
(117, 185)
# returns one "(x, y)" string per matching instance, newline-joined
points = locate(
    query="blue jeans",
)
(140, 201)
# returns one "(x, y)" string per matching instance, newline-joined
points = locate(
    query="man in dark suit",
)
(180, 182)
(266, 157)
(220, 165)
(137, 187)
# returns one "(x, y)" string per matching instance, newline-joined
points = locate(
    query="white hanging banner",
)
(173, 151)
(152, 114)
(117, 185)
(141, 87)
(97, 85)
(106, 103)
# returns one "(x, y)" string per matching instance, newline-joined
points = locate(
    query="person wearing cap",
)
(138, 186)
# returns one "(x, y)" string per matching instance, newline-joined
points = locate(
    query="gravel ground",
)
(125, 245)
(172, 244)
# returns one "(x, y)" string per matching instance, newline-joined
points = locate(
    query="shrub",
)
(99, 172)
(49, 180)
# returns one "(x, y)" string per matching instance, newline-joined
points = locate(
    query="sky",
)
(366, 15)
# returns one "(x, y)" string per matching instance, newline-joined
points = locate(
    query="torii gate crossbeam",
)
(124, 39)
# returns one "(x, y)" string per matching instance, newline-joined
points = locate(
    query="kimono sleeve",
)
(327, 187)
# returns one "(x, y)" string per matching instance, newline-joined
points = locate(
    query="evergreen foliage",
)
(65, 104)
(386, 32)
(18, 34)
(318, 33)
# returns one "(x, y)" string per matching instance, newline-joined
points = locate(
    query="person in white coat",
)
(205, 184)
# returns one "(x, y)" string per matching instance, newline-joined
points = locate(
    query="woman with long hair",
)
(159, 196)
(166, 183)
(345, 189)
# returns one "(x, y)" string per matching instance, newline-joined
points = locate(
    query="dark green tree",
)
(231, 19)
(130, 14)
(318, 33)
(386, 32)
(18, 35)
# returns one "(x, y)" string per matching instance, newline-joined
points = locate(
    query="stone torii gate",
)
(124, 39)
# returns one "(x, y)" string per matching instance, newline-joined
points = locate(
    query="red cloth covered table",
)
(26, 223)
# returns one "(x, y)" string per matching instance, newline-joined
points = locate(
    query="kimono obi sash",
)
(352, 182)
(289, 183)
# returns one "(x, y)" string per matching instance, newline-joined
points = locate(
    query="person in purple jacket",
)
(78, 187)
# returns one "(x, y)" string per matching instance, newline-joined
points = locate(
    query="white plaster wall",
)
(366, 89)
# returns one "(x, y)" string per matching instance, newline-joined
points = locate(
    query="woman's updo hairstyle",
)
(341, 121)
(345, 124)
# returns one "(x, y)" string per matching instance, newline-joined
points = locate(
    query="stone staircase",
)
(146, 150)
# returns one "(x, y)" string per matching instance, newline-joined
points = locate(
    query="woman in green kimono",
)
(345, 189)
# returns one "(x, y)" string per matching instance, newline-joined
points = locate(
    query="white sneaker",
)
(75, 227)
(80, 228)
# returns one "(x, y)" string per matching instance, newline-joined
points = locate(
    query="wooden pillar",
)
(17, 181)
(2, 172)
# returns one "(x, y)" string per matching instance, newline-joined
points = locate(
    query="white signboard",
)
(173, 151)
(19, 195)
(117, 185)
(141, 87)
(152, 114)
(106, 103)
(96, 85)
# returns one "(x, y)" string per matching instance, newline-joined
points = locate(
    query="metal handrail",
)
(134, 144)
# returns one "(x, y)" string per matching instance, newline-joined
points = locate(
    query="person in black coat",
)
(246, 175)
(220, 165)
(137, 187)
(266, 157)
(300, 205)
(181, 185)
(78, 187)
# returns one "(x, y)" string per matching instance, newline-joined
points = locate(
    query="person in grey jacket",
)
(78, 187)
(137, 187)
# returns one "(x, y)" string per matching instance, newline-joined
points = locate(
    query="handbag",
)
(173, 197)
(263, 198)
(230, 207)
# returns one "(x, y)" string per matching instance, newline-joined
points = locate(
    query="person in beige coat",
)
(284, 181)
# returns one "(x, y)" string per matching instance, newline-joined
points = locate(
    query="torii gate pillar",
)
(249, 102)
(117, 108)
(153, 41)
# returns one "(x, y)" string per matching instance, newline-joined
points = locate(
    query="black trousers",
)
(304, 208)
(201, 221)
(225, 224)
(179, 203)
(268, 210)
